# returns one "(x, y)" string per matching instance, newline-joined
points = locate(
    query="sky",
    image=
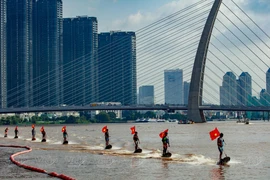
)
(132, 15)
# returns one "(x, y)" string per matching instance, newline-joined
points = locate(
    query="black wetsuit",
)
(136, 140)
(33, 133)
(65, 135)
(6, 131)
(107, 138)
(16, 132)
(43, 135)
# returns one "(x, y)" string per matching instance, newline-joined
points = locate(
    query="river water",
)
(194, 154)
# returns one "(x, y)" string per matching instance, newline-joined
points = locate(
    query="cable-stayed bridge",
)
(167, 108)
(206, 40)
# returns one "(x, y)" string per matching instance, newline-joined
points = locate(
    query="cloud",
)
(141, 19)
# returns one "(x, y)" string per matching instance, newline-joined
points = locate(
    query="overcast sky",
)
(131, 15)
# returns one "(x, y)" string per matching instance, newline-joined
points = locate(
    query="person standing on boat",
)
(220, 144)
(136, 140)
(166, 143)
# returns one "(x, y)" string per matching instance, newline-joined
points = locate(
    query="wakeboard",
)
(43, 140)
(108, 147)
(65, 142)
(224, 161)
(138, 150)
(168, 154)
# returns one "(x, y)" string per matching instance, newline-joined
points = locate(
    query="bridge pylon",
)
(196, 84)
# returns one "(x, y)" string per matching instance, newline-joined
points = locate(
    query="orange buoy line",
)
(54, 174)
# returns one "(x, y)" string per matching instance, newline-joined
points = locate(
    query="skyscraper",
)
(173, 86)
(3, 55)
(19, 52)
(48, 52)
(245, 88)
(80, 47)
(228, 94)
(268, 81)
(146, 95)
(117, 67)
(186, 92)
(264, 98)
(238, 91)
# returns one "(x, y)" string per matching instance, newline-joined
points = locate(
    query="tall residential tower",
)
(80, 47)
(268, 81)
(3, 55)
(19, 52)
(48, 53)
(117, 67)
(186, 92)
(245, 89)
(146, 95)
(173, 86)
(228, 90)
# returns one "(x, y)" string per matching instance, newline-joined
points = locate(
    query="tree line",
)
(85, 117)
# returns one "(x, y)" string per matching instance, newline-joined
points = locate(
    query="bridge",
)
(207, 40)
(167, 108)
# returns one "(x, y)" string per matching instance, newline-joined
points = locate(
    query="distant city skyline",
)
(235, 91)
(151, 54)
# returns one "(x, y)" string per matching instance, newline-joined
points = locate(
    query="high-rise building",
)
(228, 94)
(173, 86)
(80, 50)
(48, 52)
(268, 81)
(186, 92)
(3, 55)
(245, 88)
(117, 67)
(238, 91)
(19, 52)
(146, 95)
(264, 98)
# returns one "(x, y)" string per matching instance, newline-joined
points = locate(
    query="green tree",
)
(14, 120)
(34, 119)
(70, 120)
(103, 117)
(166, 116)
(150, 114)
(112, 115)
